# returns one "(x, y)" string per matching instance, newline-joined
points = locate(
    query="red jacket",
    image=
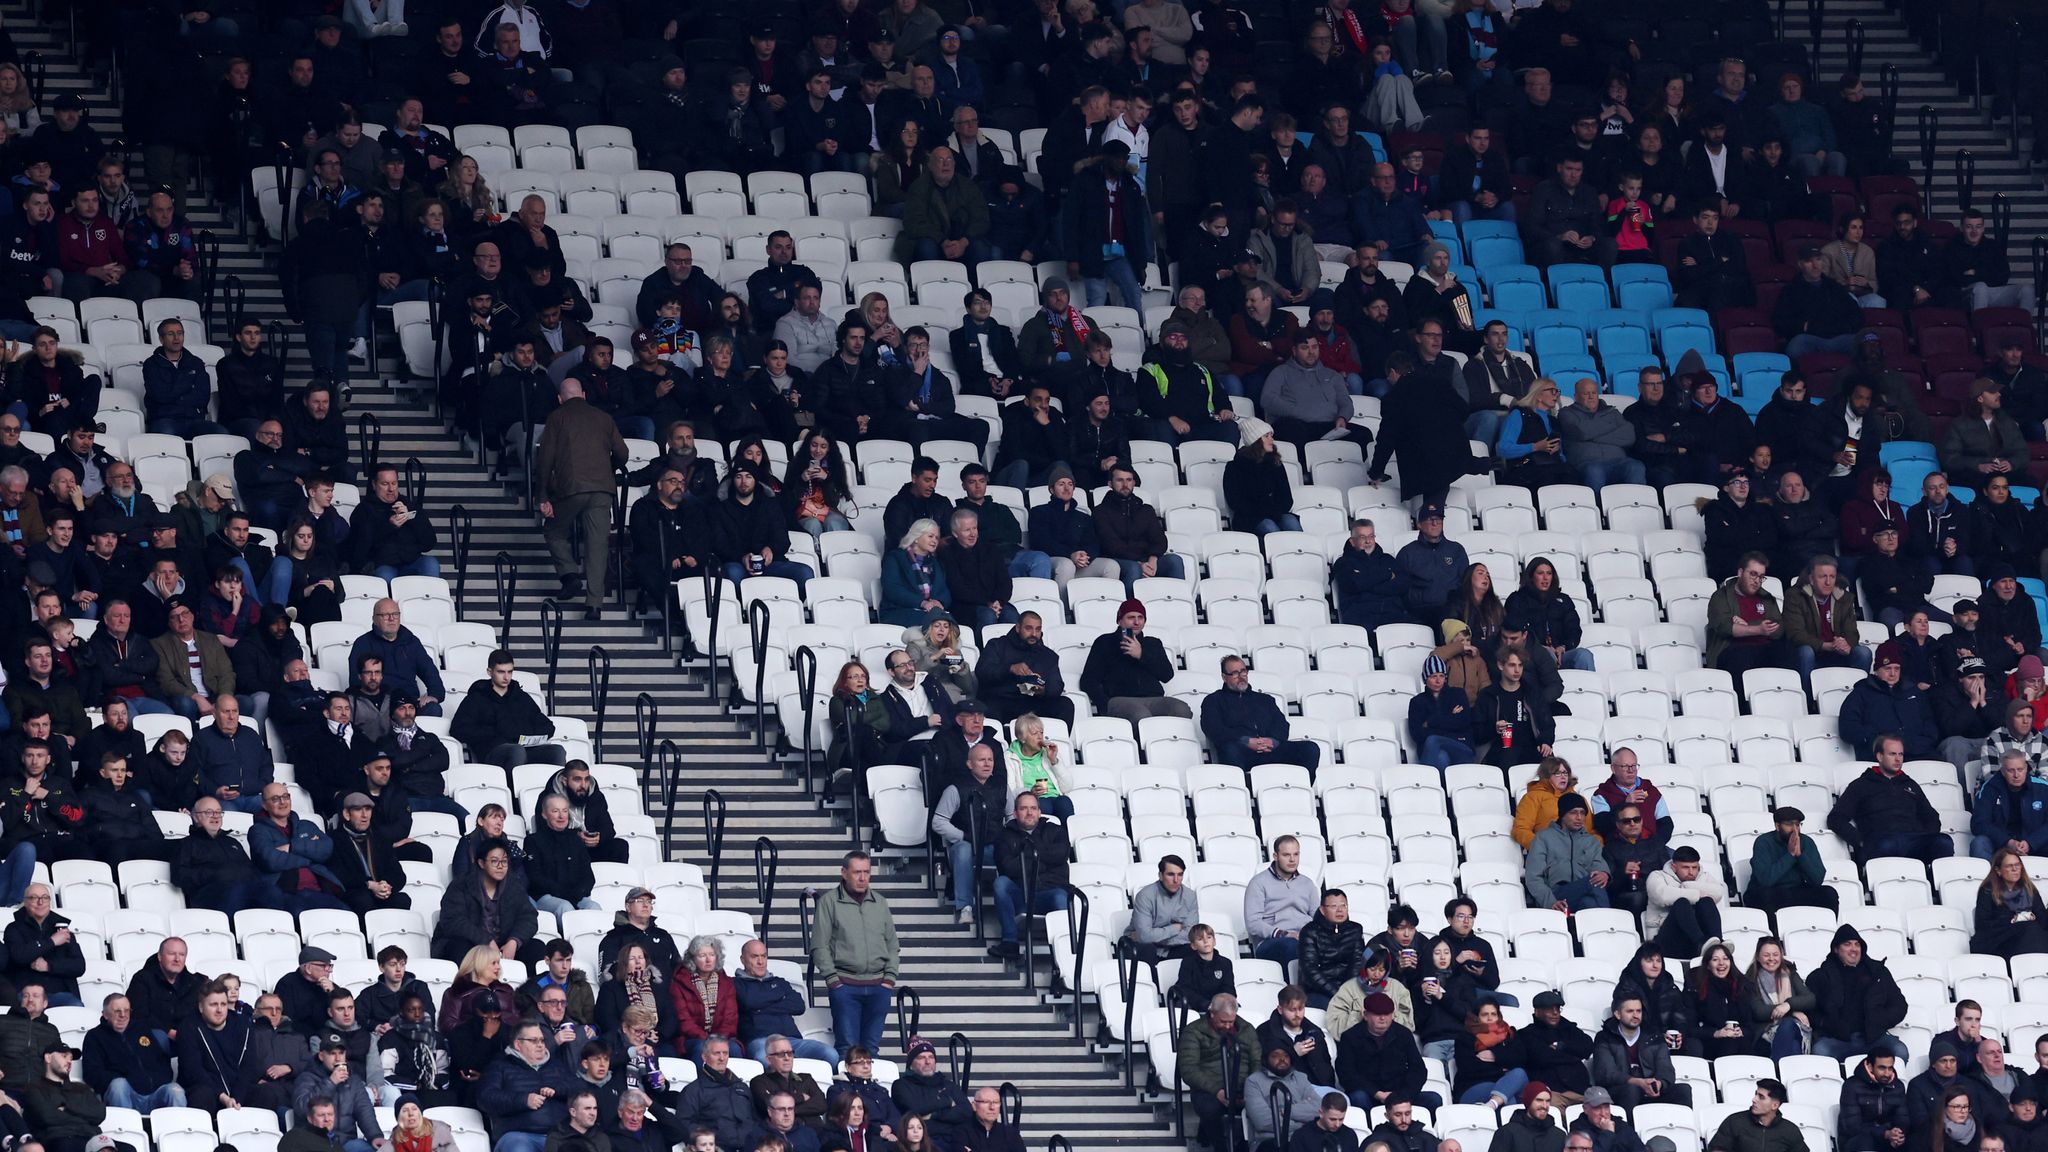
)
(83, 244)
(690, 1009)
(1250, 353)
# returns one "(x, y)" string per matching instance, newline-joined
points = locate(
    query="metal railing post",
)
(507, 573)
(461, 525)
(1966, 177)
(1927, 126)
(806, 687)
(758, 623)
(767, 862)
(600, 665)
(909, 1014)
(669, 759)
(369, 433)
(714, 837)
(960, 1062)
(1077, 943)
(550, 645)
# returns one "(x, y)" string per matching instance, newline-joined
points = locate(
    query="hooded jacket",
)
(1868, 1111)
(1862, 1000)
(1611, 1066)
(1558, 855)
(1877, 804)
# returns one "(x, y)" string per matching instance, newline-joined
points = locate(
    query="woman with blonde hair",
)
(476, 978)
(2010, 917)
(472, 209)
(1537, 809)
(706, 1001)
(913, 583)
(1778, 1001)
(1530, 448)
(934, 649)
(17, 104)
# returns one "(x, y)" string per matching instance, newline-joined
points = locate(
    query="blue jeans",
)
(1282, 950)
(1508, 1087)
(243, 803)
(636, 427)
(1580, 894)
(1464, 212)
(806, 1049)
(1785, 1041)
(1599, 474)
(1033, 564)
(960, 865)
(985, 616)
(147, 706)
(1221, 431)
(1921, 846)
(1287, 522)
(1856, 1045)
(514, 1142)
(1169, 567)
(833, 522)
(561, 907)
(1115, 270)
(1806, 660)
(1485, 426)
(858, 1013)
(977, 251)
(18, 869)
(424, 566)
(789, 569)
(1806, 342)
(1983, 847)
(121, 1094)
(441, 804)
(1441, 752)
(1010, 901)
(1233, 386)
(1577, 659)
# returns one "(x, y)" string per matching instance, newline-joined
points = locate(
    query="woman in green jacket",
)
(860, 724)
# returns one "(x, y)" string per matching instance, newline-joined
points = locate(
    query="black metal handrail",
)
(234, 304)
(976, 906)
(805, 899)
(767, 862)
(806, 687)
(600, 665)
(1281, 1100)
(646, 720)
(1856, 38)
(909, 1013)
(714, 595)
(550, 645)
(960, 1062)
(1126, 954)
(1077, 943)
(461, 526)
(434, 297)
(669, 761)
(1888, 98)
(1012, 1108)
(369, 433)
(857, 777)
(714, 837)
(1928, 124)
(507, 573)
(759, 616)
(1966, 177)
(1177, 1019)
(412, 482)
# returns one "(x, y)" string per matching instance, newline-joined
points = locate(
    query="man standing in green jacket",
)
(854, 950)
(1785, 868)
(1215, 1056)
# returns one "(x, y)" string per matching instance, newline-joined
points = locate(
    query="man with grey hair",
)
(580, 447)
(987, 1132)
(977, 575)
(1216, 1055)
(780, 1110)
(1820, 620)
(2011, 809)
(1597, 438)
(717, 1099)
(780, 1079)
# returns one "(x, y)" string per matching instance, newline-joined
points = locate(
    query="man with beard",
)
(123, 506)
(1019, 673)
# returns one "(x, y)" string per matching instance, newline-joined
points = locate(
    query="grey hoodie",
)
(1597, 437)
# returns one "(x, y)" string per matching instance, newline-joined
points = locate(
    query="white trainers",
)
(360, 350)
(396, 28)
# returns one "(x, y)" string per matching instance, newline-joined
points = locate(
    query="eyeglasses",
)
(1629, 820)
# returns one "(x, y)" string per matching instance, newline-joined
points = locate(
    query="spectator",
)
(1369, 582)
(1308, 399)
(1278, 1084)
(1518, 719)
(293, 852)
(1986, 443)
(1248, 728)
(1745, 626)
(1532, 1128)
(558, 870)
(1856, 1001)
(1596, 437)
(126, 1064)
(1761, 1128)
(387, 537)
(717, 1099)
(1564, 868)
(42, 951)
(1332, 948)
(1885, 704)
(1976, 270)
(1632, 1063)
(1440, 718)
(2009, 914)
(1819, 619)
(1872, 1114)
(977, 575)
(1910, 272)
(1425, 417)
(486, 906)
(579, 449)
(922, 1092)
(1278, 900)
(1378, 1058)
(1786, 868)
(1164, 914)
(1216, 1056)
(1127, 671)
(970, 814)
(1685, 905)
(1633, 856)
(705, 1003)
(1181, 397)
(854, 950)
(500, 722)
(1031, 870)
(769, 1006)
(2011, 807)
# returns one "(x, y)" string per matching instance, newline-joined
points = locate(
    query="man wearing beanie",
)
(1127, 671)
(1182, 399)
(1685, 905)
(2006, 618)
(1564, 869)
(1883, 703)
(1054, 334)
(1785, 868)
(1308, 400)
(1440, 717)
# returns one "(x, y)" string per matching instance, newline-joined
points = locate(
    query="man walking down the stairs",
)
(855, 952)
(580, 448)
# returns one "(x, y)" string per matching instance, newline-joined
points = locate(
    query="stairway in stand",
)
(1019, 1036)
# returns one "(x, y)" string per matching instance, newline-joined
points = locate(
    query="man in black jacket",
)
(1248, 728)
(1031, 870)
(1332, 948)
(753, 531)
(1019, 673)
(364, 861)
(1127, 671)
(386, 537)
(270, 479)
(1856, 1001)
(1378, 1058)
(1814, 313)
(977, 575)
(126, 1065)
(918, 499)
(670, 539)
(1910, 273)
(1873, 1107)
(501, 724)
(1712, 270)
(212, 868)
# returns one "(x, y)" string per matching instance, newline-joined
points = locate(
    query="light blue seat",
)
(1622, 370)
(1675, 340)
(1491, 274)
(1644, 294)
(1378, 146)
(1758, 385)
(1493, 251)
(1637, 273)
(1447, 232)
(1661, 317)
(2028, 497)
(1518, 296)
(1613, 340)
(1909, 474)
(1566, 366)
(1581, 295)
(1897, 452)
(1553, 340)
(1474, 229)
(1747, 362)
